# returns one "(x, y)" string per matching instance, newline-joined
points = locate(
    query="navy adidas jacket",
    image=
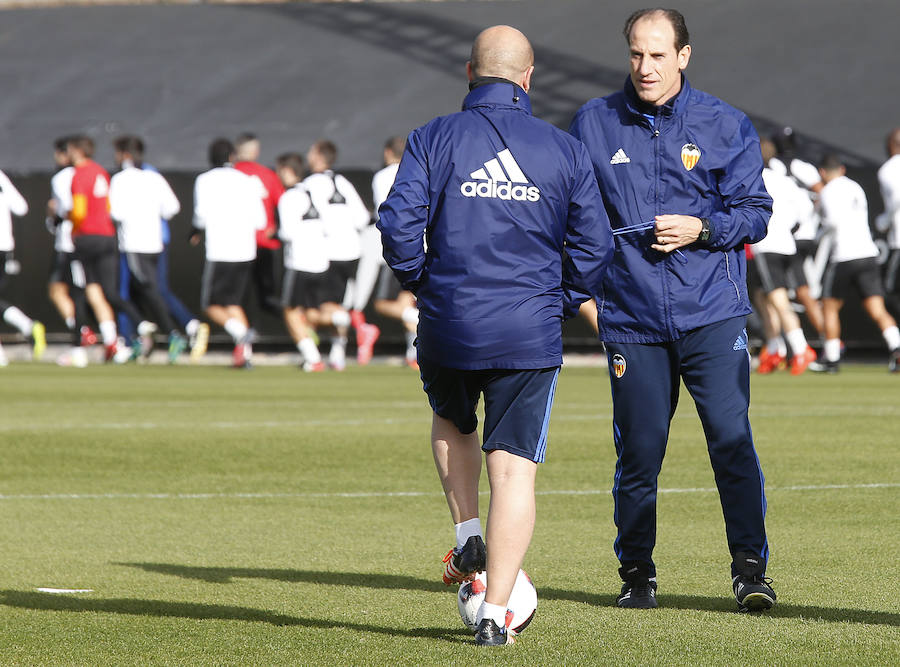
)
(514, 226)
(698, 157)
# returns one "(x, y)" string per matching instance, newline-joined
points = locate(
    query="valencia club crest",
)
(690, 156)
(618, 365)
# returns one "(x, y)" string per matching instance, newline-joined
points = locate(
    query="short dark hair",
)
(327, 150)
(131, 144)
(245, 137)
(682, 38)
(831, 162)
(292, 161)
(83, 143)
(396, 145)
(221, 151)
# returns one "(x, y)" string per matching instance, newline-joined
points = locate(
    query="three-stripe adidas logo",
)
(500, 178)
(619, 157)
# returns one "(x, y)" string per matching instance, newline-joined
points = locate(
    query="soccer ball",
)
(520, 608)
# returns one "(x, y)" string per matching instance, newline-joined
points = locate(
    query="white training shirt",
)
(889, 179)
(343, 222)
(302, 231)
(779, 238)
(11, 203)
(382, 182)
(228, 205)
(139, 199)
(61, 192)
(845, 214)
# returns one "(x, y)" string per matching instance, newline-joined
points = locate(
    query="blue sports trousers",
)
(714, 363)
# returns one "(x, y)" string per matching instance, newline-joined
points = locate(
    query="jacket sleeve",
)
(403, 216)
(589, 244)
(748, 206)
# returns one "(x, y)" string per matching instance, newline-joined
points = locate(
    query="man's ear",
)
(526, 79)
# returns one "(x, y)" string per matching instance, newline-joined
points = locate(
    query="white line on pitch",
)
(391, 494)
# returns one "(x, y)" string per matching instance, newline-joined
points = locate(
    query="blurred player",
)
(266, 264)
(96, 248)
(853, 266)
(228, 209)
(344, 215)
(13, 203)
(806, 232)
(889, 180)
(65, 285)
(139, 199)
(517, 239)
(305, 260)
(391, 300)
(772, 258)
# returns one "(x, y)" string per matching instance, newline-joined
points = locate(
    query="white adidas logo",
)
(492, 182)
(620, 157)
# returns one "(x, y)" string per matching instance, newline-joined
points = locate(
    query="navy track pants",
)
(714, 363)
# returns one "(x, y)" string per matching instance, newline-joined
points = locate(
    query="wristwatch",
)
(704, 230)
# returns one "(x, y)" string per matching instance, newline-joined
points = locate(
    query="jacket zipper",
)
(664, 275)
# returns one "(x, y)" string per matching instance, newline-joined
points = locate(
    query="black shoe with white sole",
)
(639, 589)
(752, 589)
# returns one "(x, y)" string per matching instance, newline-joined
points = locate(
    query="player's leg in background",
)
(182, 315)
(124, 323)
(265, 280)
(715, 367)
(875, 308)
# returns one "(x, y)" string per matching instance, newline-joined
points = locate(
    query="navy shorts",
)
(516, 404)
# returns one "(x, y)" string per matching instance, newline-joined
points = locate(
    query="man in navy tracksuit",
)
(517, 238)
(680, 172)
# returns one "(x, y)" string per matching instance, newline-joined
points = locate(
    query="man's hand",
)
(675, 231)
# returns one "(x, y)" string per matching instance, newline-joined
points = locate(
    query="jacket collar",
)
(497, 93)
(674, 106)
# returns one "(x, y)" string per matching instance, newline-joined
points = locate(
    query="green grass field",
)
(277, 518)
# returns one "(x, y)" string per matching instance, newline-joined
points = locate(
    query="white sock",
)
(191, 327)
(70, 323)
(146, 328)
(108, 332)
(892, 337)
(410, 340)
(410, 315)
(309, 351)
(235, 329)
(496, 612)
(18, 319)
(797, 341)
(833, 349)
(340, 318)
(467, 529)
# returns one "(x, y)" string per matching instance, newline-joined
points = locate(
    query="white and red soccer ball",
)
(520, 608)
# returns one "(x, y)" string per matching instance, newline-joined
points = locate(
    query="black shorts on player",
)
(224, 283)
(773, 270)
(860, 275)
(301, 289)
(516, 404)
(337, 277)
(388, 287)
(98, 255)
